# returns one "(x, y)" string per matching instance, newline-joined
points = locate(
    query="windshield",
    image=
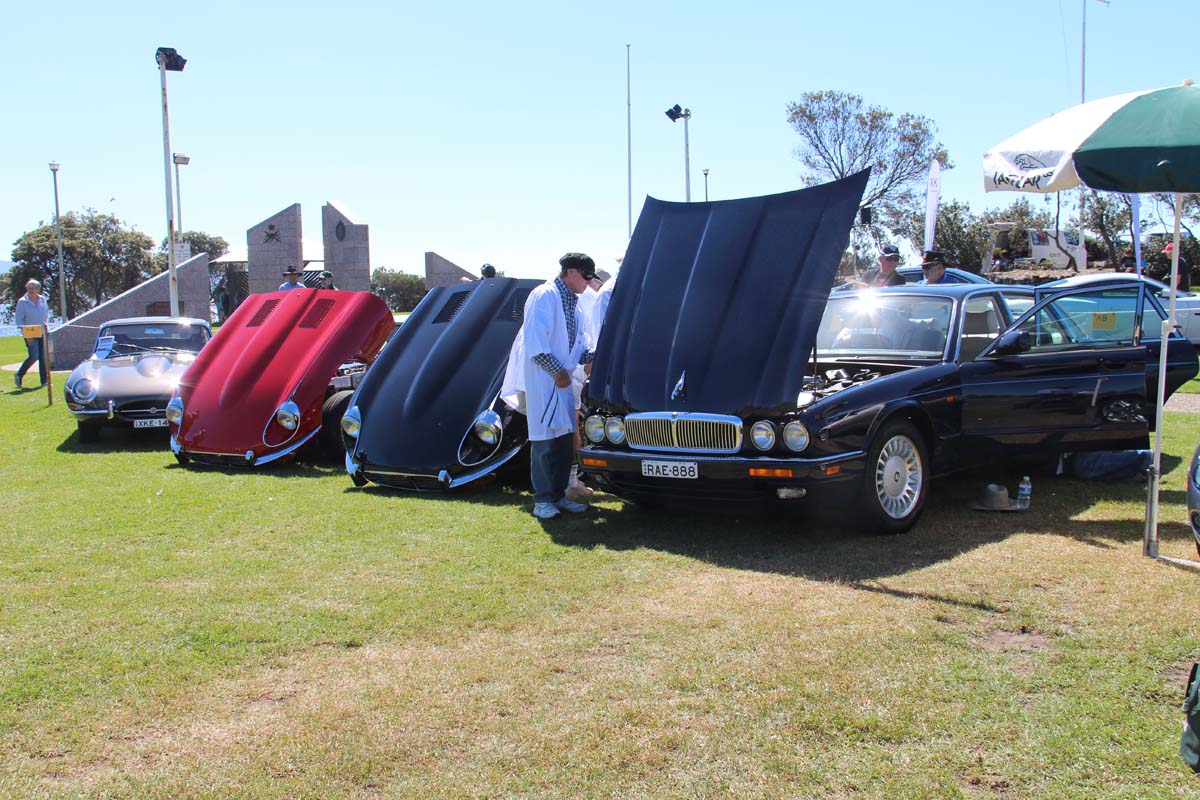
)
(121, 340)
(888, 325)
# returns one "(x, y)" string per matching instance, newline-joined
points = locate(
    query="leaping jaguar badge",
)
(680, 390)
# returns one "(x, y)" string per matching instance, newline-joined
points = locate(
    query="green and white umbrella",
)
(1133, 143)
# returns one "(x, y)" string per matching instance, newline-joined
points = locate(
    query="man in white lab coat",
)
(552, 342)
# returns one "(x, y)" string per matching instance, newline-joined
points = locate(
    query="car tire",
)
(332, 442)
(895, 479)
(89, 432)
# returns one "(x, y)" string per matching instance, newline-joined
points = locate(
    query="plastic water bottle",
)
(1024, 493)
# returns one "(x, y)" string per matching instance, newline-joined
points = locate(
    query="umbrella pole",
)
(1150, 542)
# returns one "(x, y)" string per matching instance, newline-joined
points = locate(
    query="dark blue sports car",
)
(725, 373)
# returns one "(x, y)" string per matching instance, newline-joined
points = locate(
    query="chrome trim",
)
(494, 421)
(442, 475)
(796, 461)
(176, 448)
(683, 432)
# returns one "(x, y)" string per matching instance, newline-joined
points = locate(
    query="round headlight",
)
(175, 410)
(84, 390)
(762, 434)
(614, 429)
(288, 415)
(487, 428)
(352, 422)
(593, 428)
(795, 436)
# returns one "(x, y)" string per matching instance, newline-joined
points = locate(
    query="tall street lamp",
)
(179, 158)
(676, 113)
(706, 184)
(62, 270)
(169, 60)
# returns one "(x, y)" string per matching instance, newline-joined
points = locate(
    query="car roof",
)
(151, 320)
(970, 277)
(955, 290)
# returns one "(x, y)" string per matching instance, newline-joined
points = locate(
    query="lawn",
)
(176, 633)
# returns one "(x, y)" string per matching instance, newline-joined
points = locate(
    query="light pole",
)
(169, 59)
(179, 158)
(675, 113)
(62, 272)
(706, 184)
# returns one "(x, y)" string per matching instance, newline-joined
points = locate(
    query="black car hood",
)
(718, 304)
(441, 368)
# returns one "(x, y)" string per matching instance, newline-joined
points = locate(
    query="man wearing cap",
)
(1184, 282)
(934, 268)
(885, 275)
(326, 281)
(550, 344)
(487, 271)
(293, 279)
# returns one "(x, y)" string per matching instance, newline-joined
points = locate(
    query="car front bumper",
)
(722, 482)
(251, 457)
(426, 480)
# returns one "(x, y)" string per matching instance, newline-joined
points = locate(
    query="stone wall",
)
(73, 342)
(272, 246)
(347, 249)
(443, 272)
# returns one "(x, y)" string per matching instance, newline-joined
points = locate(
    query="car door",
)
(1080, 385)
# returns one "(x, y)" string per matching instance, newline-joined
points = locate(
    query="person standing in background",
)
(32, 310)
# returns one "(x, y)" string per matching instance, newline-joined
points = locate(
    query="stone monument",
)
(272, 246)
(347, 249)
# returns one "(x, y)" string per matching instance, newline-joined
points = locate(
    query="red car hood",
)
(275, 348)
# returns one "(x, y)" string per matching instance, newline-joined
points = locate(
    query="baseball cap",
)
(889, 251)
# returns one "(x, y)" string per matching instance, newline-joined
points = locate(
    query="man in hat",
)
(1184, 282)
(550, 344)
(292, 276)
(934, 268)
(326, 281)
(487, 271)
(885, 274)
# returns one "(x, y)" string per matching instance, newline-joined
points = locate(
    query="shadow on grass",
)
(118, 439)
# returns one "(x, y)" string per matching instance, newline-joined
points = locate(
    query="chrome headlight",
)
(614, 429)
(84, 390)
(593, 428)
(175, 410)
(795, 436)
(488, 428)
(762, 434)
(288, 415)
(352, 422)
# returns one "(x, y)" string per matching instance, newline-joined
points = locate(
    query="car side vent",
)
(315, 314)
(453, 304)
(263, 312)
(514, 309)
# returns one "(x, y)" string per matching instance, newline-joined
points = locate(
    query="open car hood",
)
(276, 347)
(443, 367)
(717, 305)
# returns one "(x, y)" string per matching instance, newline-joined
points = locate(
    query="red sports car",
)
(263, 386)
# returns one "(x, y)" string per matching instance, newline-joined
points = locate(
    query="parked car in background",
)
(427, 415)
(768, 391)
(135, 365)
(915, 275)
(279, 370)
(1187, 304)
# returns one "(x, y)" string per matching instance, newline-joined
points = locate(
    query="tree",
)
(199, 241)
(1107, 214)
(101, 260)
(399, 290)
(840, 136)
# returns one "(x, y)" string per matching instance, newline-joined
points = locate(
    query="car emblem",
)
(680, 390)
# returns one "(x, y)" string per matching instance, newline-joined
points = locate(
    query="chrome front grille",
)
(692, 433)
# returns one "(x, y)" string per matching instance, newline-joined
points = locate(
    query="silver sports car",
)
(134, 368)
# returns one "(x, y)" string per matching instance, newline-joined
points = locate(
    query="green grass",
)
(176, 633)
(1191, 387)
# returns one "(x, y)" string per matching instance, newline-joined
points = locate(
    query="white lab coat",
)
(529, 388)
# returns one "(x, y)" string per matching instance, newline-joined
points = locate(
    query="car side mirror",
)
(1012, 343)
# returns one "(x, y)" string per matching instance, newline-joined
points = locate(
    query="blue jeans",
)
(550, 463)
(34, 348)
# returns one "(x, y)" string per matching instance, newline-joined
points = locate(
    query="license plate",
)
(670, 469)
(149, 423)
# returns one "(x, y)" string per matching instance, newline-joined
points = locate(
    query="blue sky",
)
(497, 132)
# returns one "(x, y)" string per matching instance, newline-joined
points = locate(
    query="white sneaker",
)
(567, 504)
(545, 510)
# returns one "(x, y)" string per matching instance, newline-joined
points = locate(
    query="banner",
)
(933, 195)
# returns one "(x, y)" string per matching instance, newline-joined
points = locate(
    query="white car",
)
(1187, 304)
